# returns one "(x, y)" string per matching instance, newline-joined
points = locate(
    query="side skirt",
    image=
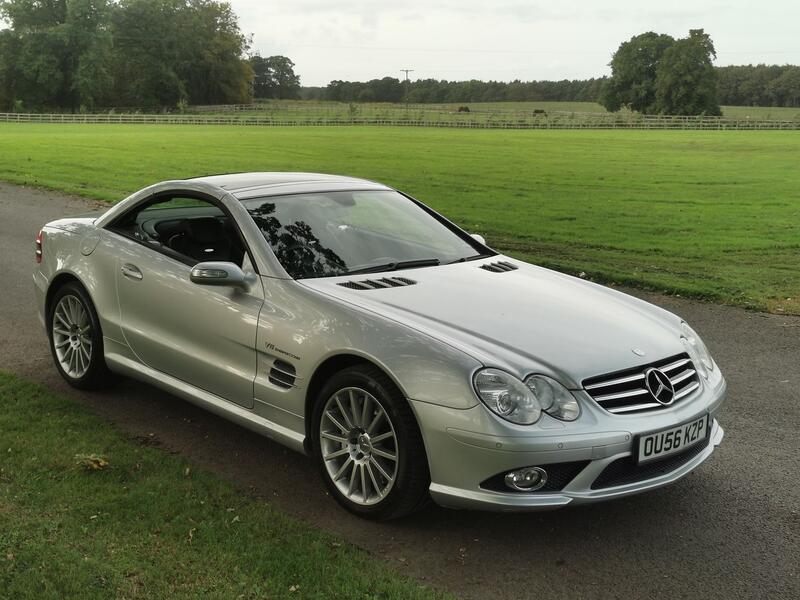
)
(215, 404)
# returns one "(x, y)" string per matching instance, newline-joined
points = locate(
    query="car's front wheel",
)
(368, 445)
(76, 340)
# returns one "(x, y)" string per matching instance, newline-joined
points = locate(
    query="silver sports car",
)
(351, 322)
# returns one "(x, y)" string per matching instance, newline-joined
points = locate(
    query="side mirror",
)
(221, 274)
(478, 237)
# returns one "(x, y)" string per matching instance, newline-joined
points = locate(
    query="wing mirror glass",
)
(221, 274)
(478, 237)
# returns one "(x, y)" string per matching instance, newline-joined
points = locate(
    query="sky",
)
(503, 40)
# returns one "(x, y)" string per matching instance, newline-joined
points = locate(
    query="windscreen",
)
(338, 233)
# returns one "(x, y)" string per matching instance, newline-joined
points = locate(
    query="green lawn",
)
(709, 214)
(147, 525)
(774, 113)
(478, 110)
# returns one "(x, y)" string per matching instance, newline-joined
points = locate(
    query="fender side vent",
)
(282, 374)
(499, 267)
(378, 284)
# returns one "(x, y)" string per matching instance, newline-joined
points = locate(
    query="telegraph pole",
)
(407, 71)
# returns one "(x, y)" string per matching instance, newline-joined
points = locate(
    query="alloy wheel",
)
(72, 336)
(359, 446)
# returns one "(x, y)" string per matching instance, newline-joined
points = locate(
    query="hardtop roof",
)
(249, 185)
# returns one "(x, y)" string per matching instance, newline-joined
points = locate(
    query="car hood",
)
(525, 320)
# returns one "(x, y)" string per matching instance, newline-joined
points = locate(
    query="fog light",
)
(528, 479)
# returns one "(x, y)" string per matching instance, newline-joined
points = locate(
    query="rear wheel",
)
(368, 445)
(76, 340)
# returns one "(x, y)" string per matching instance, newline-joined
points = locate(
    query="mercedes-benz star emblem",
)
(659, 385)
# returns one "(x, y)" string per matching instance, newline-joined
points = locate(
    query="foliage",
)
(274, 77)
(748, 85)
(633, 73)
(686, 83)
(759, 85)
(433, 91)
(68, 54)
(655, 74)
(55, 53)
(149, 525)
(605, 202)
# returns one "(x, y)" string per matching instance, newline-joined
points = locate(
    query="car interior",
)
(196, 233)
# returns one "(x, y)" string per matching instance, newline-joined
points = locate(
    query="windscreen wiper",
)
(396, 266)
(469, 258)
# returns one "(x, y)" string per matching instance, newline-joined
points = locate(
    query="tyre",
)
(76, 340)
(368, 445)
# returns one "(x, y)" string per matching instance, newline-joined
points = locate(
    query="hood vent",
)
(377, 284)
(282, 374)
(499, 267)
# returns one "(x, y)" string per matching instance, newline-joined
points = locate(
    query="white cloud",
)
(503, 39)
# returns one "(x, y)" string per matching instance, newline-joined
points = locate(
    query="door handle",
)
(131, 271)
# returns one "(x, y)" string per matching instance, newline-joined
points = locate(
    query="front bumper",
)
(460, 458)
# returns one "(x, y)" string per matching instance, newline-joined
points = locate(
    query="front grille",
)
(499, 267)
(625, 470)
(625, 392)
(282, 374)
(558, 476)
(378, 284)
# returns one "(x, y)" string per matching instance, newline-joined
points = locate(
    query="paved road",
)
(729, 530)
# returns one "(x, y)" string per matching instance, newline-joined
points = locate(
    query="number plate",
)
(653, 446)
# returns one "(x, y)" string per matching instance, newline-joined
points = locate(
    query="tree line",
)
(651, 73)
(434, 91)
(747, 85)
(759, 85)
(83, 54)
(89, 54)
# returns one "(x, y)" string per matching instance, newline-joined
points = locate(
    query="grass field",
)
(709, 214)
(147, 525)
(478, 110)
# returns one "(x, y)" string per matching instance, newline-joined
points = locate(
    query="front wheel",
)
(76, 340)
(368, 445)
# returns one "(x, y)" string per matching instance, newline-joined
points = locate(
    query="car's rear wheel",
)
(76, 340)
(368, 445)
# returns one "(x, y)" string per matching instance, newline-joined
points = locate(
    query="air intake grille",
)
(625, 470)
(626, 391)
(378, 284)
(282, 374)
(499, 267)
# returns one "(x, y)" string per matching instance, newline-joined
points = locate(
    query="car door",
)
(199, 334)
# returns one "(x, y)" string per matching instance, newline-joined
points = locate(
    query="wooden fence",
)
(560, 121)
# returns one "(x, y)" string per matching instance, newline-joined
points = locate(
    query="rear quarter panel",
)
(75, 248)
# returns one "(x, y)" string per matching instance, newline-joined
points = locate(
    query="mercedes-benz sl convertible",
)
(349, 321)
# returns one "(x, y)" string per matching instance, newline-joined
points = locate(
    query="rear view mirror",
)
(478, 237)
(221, 274)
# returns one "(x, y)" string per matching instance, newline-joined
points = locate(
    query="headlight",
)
(523, 403)
(554, 398)
(697, 349)
(507, 396)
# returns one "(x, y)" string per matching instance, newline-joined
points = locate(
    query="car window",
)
(190, 229)
(334, 233)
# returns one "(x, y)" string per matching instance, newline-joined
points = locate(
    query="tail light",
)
(39, 237)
